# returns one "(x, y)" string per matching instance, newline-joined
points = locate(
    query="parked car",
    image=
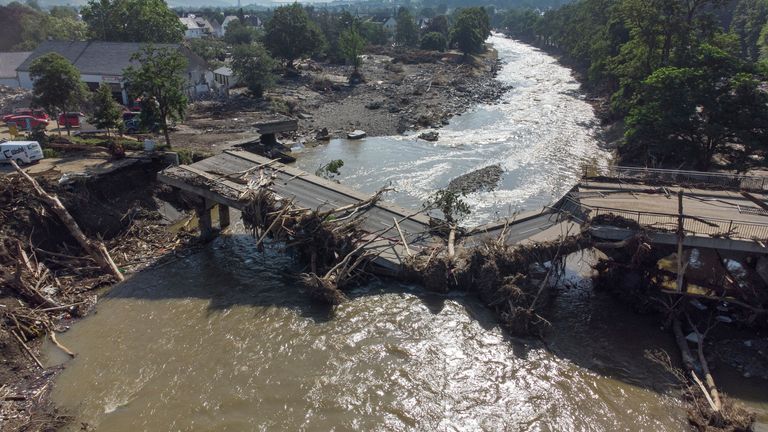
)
(37, 113)
(127, 115)
(133, 126)
(71, 119)
(22, 152)
(27, 122)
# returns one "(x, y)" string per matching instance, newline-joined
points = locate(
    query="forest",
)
(686, 78)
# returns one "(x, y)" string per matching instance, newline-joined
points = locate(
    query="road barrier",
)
(724, 180)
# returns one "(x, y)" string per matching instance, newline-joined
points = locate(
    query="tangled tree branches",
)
(329, 240)
(504, 277)
(728, 417)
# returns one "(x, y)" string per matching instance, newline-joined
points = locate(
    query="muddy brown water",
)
(226, 340)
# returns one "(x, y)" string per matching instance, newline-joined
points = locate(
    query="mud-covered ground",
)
(401, 91)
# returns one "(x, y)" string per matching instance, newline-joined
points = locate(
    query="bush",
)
(51, 153)
(434, 42)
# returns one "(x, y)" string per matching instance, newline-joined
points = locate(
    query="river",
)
(225, 340)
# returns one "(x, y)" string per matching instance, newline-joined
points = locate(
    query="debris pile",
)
(49, 277)
(330, 241)
(511, 280)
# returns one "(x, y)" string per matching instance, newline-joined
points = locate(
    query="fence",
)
(712, 227)
(729, 181)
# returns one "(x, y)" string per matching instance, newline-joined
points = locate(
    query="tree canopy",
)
(107, 114)
(23, 27)
(406, 32)
(132, 21)
(57, 86)
(254, 67)
(352, 45)
(240, 33)
(470, 30)
(290, 34)
(159, 78)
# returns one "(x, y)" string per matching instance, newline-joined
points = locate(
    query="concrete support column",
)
(224, 219)
(205, 222)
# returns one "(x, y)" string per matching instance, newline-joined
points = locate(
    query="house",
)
(217, 30)
(207, 27)
(9, 61)
(192, 28)
(104, 62)
(423, 23)
(388, 22)
(253, 20)
(227, 20)
(224, 79)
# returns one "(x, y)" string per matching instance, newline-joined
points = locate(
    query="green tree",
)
(684, 112)
(239, 33)
(159, 77)
(352, 45)
(471, 29)
(132, 21)
(106, 112)
(374, 33)
(433, 41)
(406, 32)
(210, 50)
(64, 12)
(57, 86)
(749, 18)
(440, 25)
(254, 67)
(290, 34)
(450, 204)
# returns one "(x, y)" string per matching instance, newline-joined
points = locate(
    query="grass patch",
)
(51, 153)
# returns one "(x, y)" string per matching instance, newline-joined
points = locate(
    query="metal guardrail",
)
(713, 227)
(729, 181)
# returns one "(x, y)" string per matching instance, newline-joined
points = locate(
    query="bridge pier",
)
(205, 220)
(224, 217)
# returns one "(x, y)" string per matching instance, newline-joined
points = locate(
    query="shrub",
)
(434, 41)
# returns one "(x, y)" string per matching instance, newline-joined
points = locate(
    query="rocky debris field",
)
(402, 90)
(11, 98)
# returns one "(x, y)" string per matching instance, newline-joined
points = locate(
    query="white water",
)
(542, 133)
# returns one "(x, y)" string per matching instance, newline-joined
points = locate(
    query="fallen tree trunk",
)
(95, 249)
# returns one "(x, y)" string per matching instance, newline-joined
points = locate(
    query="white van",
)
(22, 152)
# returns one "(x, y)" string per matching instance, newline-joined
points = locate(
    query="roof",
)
(189, 23)
(204, 23)
(9, 61)
(98, 58)
(228, 19)
(223, 71)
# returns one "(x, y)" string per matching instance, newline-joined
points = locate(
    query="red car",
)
(36, 113)
(71, 119)
(27, 122)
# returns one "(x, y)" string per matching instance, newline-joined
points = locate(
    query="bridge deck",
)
(207, 178)
(719, 218)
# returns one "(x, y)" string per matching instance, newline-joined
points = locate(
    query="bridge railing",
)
(724, 180)
(706, 226)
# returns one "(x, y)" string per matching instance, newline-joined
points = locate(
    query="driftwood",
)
(27, 350)
(61, 347)
(95, 249)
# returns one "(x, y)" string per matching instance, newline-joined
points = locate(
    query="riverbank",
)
(402, 90)
(49, 283)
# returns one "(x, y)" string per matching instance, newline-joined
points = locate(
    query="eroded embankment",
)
(49, 280)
